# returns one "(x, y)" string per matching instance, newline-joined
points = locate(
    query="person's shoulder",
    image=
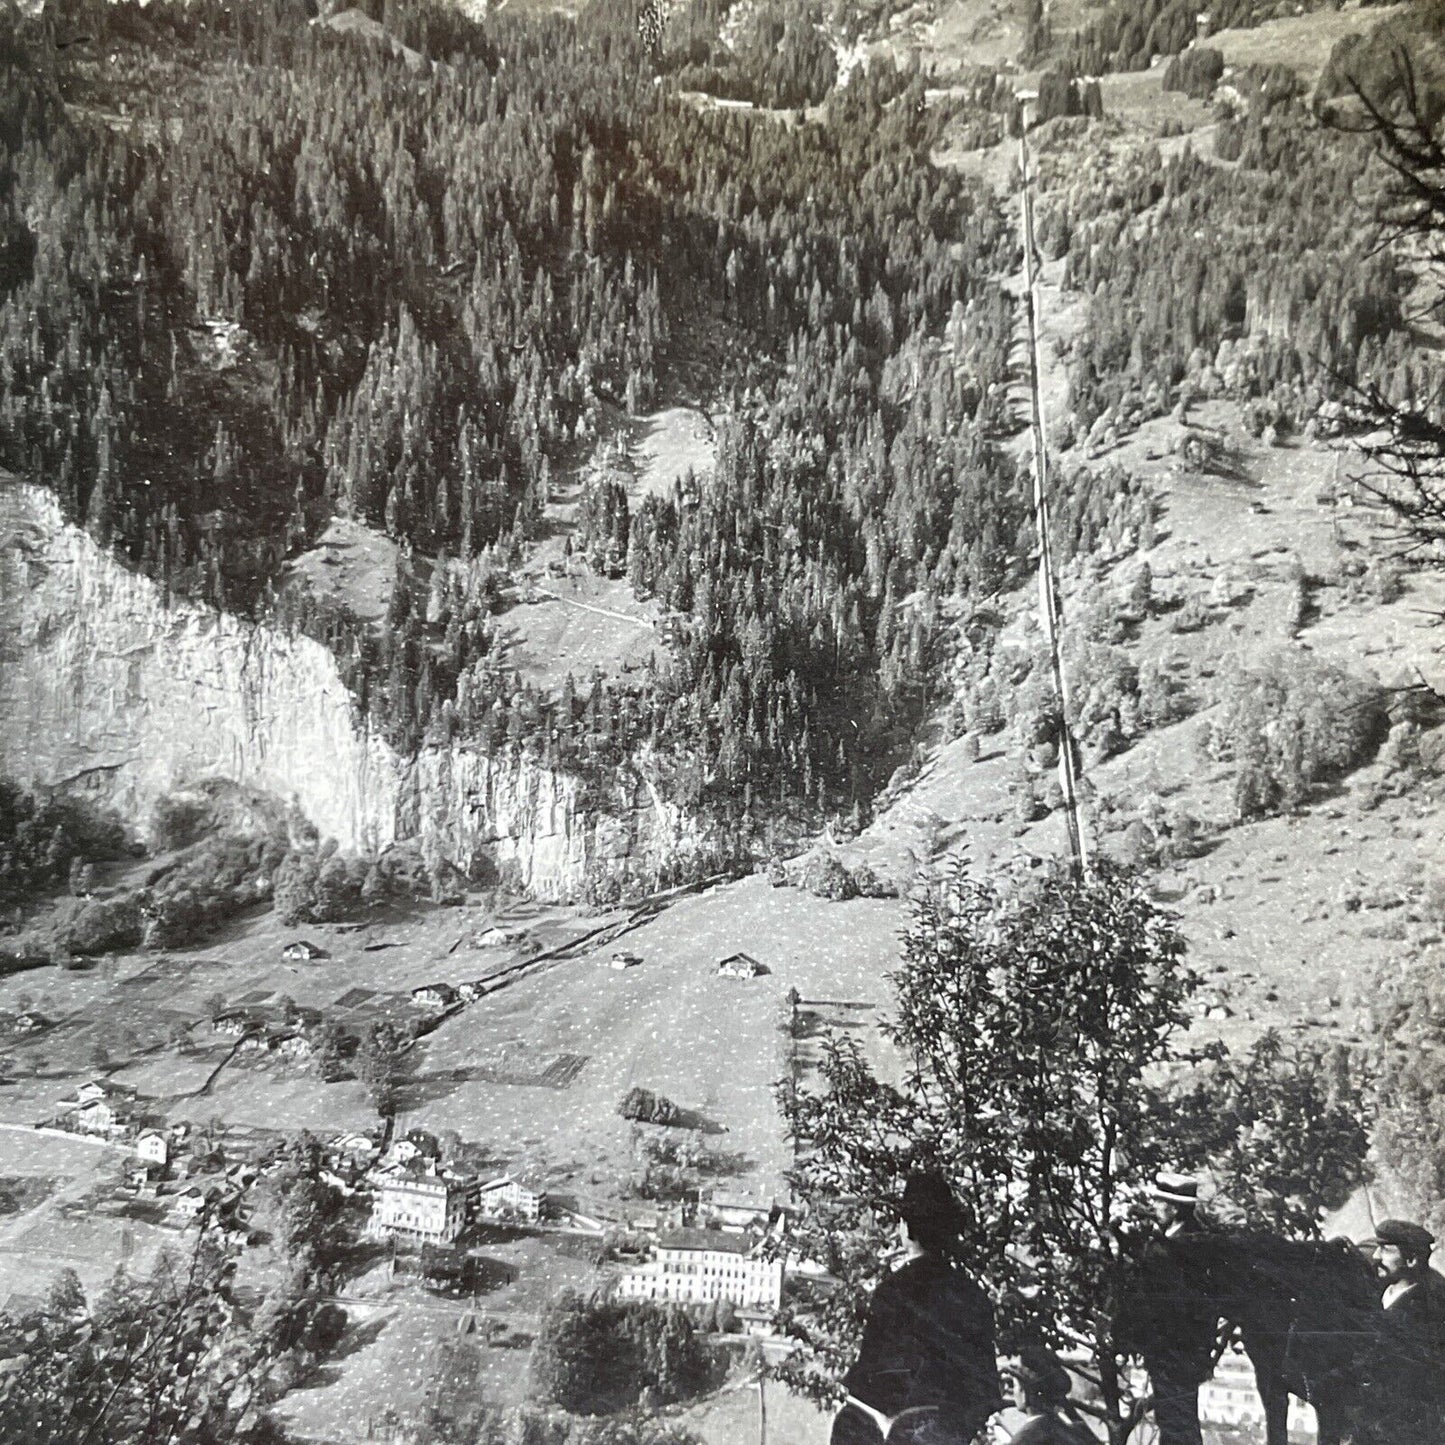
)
(958, 1276)
(1037, 1431)
(1434, 1289)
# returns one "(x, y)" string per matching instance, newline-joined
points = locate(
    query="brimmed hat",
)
(1414, 1239)
(1039, 1369)
(929, 1205)
(1176, 1188)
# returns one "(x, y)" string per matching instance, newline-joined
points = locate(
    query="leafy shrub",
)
(1196, 72)
(1383, 581)
(1161, 699)
(644, 1107)
(321, 886)
(99, 925)
(1193, 616)
(1291, 724)
(40, 839)
(180, 819)
(1408, 1029)
(824, 876)
(1283, 1130)
(1105, 698)
(597, 1356)
(212, 882)
(870, 884)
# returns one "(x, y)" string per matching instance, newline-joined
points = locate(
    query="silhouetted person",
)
(1043, 1395)
(1414, 1301)
(928, 1346)
(1179, 1360)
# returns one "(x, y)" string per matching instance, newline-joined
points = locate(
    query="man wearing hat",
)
(1174, 1347)
(1176, 1203)
(1414, 1293)
(926, 1369)
(1043, 1395)
(1414, 1301)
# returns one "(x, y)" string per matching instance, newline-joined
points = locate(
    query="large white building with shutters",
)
(698, 1266)
(419, 1205)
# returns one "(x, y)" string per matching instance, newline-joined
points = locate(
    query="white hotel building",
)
(428, 1208)
(697, 1266)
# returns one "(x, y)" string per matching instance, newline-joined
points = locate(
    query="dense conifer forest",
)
(257, 271)
(299, 275)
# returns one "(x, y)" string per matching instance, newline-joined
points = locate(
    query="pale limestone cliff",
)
(104, 686)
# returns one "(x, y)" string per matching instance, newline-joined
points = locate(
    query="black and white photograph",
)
(722, 722)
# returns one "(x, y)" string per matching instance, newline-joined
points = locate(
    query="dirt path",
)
(646, 622)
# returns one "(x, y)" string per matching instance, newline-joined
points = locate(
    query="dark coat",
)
(1417, 1318)
(1173, 1325)
(1414, 1371)
(929, 1340)
(1052, 1429)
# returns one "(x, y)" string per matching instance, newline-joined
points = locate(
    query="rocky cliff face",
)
(106, 687)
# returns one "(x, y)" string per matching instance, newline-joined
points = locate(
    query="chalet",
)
(740, 1215)
(189, 1204)
(471, 991)
(698, 1266)
(572, 1217)
(660, 1216)
(624, 960)
(416, 1144)
(293, 1045)
(403, 1151)
(97, 1108)
(303, 951)
(30, 1022)
(153, 1146)
(138, 1175)
(740, 965)
(99, 1089)
(500, 937)
(506, 1195)
(255, 1042)
(435, 996)
(354, 1147)
(235, 1023)
(419, 1203)
(758, 1323)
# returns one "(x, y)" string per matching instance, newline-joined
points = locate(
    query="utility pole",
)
(1048, 587)
(763, 1405)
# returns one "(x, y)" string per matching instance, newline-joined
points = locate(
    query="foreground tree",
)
(1039, 1025)
(155, 1359)
(1400, 107)
(1284, 1132)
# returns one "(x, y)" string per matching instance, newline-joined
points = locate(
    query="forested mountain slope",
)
(260, 272)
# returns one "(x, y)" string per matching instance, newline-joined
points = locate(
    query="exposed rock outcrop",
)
(107, 687)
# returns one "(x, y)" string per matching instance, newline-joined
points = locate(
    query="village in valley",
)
(472, 1201)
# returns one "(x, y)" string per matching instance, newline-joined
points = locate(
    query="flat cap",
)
(1412, 1238)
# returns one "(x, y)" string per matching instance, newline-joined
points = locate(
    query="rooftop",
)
(700, 1239)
